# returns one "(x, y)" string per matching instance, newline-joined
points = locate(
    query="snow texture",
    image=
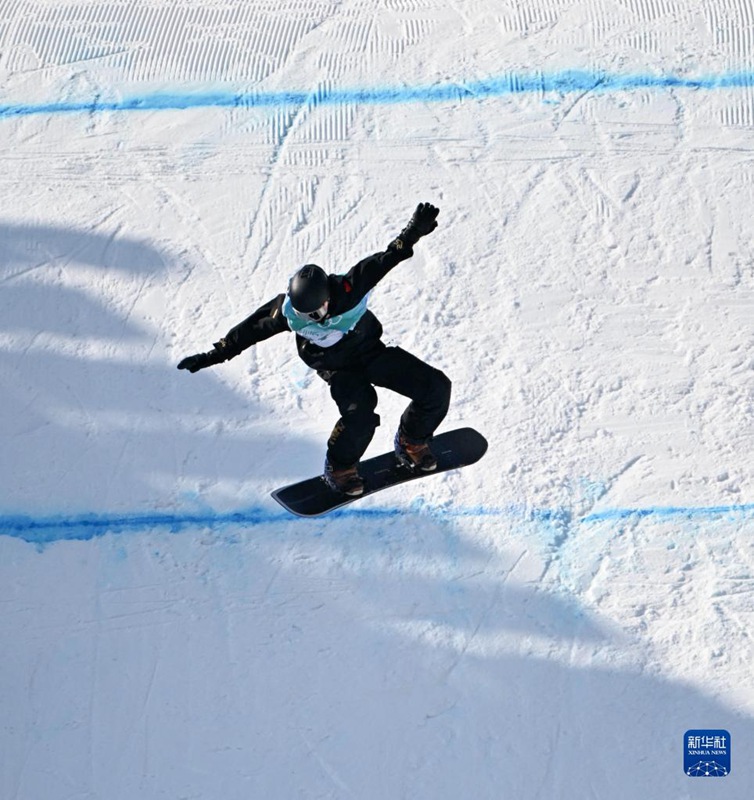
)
(546, 624)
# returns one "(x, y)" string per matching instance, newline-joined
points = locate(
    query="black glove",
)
(201, 360)
(424, 221)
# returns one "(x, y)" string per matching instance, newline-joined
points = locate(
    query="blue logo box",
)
(706, 753)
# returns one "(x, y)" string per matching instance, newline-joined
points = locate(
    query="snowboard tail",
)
(313, 497)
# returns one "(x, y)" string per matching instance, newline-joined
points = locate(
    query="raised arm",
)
(372, 269)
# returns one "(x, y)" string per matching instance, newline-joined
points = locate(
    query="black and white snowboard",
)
(313, 497)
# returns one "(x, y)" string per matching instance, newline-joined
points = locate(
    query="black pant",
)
(353, 391)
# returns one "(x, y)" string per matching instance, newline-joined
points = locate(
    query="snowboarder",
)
(339, 338)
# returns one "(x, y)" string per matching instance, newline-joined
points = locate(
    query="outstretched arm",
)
(368, 272)
(265, 322)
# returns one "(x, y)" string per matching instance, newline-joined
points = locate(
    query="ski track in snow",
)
(544, 624)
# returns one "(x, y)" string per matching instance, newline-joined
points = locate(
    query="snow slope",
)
(546, 624)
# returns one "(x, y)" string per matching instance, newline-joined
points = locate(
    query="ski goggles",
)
(317, 315)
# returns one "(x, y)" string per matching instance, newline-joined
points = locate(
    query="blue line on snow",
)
(85, 527)
(667, 512)
(566, 82)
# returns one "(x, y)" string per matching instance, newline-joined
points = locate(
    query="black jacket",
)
(358, 346)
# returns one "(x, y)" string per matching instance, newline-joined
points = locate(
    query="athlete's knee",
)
(352, 398)
(354, 426)
(440, 385)
(359, 408)
(362, 418)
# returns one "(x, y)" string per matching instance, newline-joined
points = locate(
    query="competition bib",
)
(328, 332)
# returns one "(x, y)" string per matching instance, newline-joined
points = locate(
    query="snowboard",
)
(313, 497)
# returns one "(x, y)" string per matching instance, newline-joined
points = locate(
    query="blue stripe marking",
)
(668, 512)
(566, 82)
(85, 527)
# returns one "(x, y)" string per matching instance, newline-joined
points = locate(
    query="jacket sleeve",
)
(268, 320)
(372, 269)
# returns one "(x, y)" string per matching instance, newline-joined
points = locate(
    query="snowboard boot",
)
(344, 481)
(417, 457)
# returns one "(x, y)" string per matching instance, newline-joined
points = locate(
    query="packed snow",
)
(547, 623)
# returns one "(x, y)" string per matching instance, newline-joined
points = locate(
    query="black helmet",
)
(308, 289)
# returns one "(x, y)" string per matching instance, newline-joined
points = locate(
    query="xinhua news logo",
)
(706, 753)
